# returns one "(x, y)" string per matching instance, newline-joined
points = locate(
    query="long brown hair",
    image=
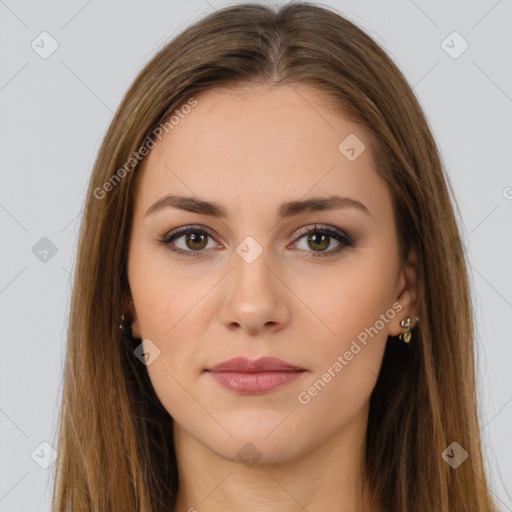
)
(115, 446)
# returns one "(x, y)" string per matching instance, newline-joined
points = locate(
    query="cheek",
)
(172, 306)
(355, 309)
(161, 293)
(169, 305)
(351, 298)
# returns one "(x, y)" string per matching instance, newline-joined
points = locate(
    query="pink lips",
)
(259, 376)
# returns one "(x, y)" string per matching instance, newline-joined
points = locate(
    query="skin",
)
(251, 149)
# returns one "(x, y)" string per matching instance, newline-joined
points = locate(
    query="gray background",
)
(55, 111)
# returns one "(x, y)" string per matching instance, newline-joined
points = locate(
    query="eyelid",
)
(324, 229)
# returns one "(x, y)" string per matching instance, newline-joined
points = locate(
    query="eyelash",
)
(344, 239)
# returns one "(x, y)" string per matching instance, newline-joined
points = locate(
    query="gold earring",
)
(406, 335)
(126, 328)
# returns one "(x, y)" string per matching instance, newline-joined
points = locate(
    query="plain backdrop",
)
(55, 109)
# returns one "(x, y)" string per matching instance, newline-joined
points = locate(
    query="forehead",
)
(255, 144)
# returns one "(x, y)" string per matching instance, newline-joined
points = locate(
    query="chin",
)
(265, 442)
(249, 451)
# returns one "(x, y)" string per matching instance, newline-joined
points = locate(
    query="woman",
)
(271, 308)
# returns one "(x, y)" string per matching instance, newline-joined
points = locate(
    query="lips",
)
(245, 365)
(250, 377)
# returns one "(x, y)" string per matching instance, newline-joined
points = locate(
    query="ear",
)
(131, 314)
(407, 293)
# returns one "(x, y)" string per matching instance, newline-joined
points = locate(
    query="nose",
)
(254, 298)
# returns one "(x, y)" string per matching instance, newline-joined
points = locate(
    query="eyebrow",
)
(288, 209)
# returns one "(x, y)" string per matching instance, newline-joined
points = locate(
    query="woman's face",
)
(250, 281)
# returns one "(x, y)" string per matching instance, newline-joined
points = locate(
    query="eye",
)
(194, 241)
(319, 238)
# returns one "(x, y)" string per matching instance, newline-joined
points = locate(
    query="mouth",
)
(262, 375)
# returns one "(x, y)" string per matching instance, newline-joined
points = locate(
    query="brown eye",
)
(196, 241)
(318, 241)
(188, 241)
(319, 238)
